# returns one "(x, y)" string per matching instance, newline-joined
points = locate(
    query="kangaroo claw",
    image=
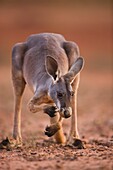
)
(8, 144)
(78, 144)
(51, 111)
(51, 130)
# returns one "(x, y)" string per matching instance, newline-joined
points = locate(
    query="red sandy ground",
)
(95, 120)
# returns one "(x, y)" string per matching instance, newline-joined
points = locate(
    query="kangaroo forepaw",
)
(32, 108)
(51, 111)
(51, 130)
(78, 144)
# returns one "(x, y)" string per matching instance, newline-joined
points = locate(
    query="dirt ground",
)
(91, 28)
(95, 120)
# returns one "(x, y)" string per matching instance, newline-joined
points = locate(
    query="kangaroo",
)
(51, 67)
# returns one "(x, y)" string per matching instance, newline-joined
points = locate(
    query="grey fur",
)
(49, 65)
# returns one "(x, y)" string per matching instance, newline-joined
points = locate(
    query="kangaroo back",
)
(39, 48)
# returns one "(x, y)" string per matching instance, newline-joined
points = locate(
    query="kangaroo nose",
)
(66, 113)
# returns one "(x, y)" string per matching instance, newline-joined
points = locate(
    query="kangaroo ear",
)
(74, 70)
(52, 67)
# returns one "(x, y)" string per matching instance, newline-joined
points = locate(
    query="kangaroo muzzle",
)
(66, 112)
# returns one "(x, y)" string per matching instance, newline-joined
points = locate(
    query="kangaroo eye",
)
(72, 93)
(59, 94)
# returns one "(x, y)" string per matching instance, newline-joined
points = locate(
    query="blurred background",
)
(87, 22)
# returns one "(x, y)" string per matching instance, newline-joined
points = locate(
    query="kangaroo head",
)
(61, 90)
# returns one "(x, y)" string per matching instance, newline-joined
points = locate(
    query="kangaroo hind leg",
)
(19, 86)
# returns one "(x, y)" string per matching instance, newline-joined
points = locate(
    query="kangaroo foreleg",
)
(53, 128)
(37, 100)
